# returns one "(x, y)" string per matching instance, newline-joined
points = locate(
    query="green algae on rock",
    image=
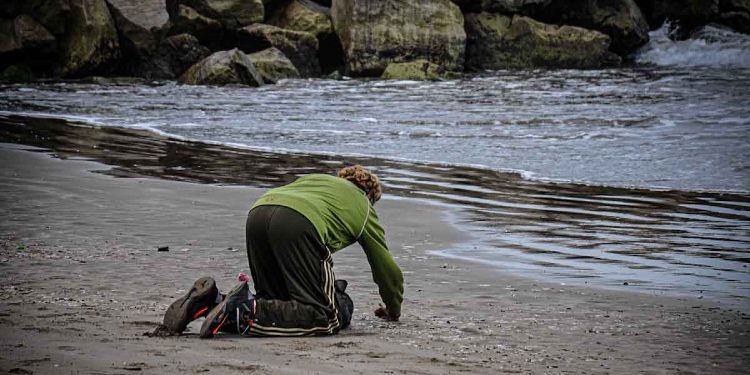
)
(90, 44)
(300, 47)
(374, 33)
(187, 20)
(273, 66)
(501, 42)
(417, 70)
(222, 68)
(622, 20)
(231, 13)
(303, 16)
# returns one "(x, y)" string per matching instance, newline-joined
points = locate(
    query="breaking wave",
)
(709, 46)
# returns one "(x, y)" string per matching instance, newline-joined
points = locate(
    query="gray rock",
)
(307, 16)
(500, 6)
(178, 53)
(187, 20)
(497, 41)
(52, 14)
(90, 44)
(148, 14)
(16, 74)
(417, 70)
(231, 13)
(687, 14)
(146, 57)
(735, 14)
(221, 68)
(622, 20)
(273, 66)
(300, 47)
(137, 46)
(22, 39)
(303, 15)
(374, 33)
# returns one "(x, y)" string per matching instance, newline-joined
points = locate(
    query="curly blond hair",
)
(368, 182)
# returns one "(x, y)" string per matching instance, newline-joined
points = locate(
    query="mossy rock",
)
(16, 74)
(223, 68)
(26, 42)
(231, 13)
(375, 33)
(187, 20)
(90, 44)
(300, 47)
(418, 70)
(501, 42)
(273, 66)
(303, 15)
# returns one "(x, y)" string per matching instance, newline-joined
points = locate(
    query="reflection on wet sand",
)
(694, 243)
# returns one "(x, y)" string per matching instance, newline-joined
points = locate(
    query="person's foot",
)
(234, 310)
(195, 303)
(344, 304)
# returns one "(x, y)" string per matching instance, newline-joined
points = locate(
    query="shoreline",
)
(89, 282)
(616, 238)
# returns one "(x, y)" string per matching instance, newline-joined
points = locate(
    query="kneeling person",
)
(291, 233)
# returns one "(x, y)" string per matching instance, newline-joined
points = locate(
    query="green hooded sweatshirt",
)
(342, 215)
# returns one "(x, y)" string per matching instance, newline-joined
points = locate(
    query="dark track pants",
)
(293, 275)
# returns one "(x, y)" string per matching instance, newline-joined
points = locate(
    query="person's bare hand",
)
(383, 313)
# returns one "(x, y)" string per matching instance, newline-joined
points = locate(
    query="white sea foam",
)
(711, 46)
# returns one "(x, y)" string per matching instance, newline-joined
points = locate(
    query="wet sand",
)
(82, 282)
(655, 241)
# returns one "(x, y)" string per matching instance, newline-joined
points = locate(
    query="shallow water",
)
(610, 139)
(652, 127)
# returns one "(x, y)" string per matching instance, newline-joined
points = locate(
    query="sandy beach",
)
(82, 281)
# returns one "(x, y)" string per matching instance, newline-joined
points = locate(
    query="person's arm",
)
(385, 271)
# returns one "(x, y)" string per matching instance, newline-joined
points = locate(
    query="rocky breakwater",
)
(419, 39)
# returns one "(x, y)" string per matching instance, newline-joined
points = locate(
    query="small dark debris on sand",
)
(161, 331)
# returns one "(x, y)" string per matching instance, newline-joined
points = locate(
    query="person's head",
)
(366, 181)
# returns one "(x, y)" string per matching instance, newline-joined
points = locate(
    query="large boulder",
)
(300, 47)
(187, 20)
(374, 33)
(500, 6)
(178, 53)
(497, 41)
(16, 74)
(148, 14)
(90, 44)
(222, 68)
(137, 46)
(687, 15)
(313, 18)
(231, 13)
(273, 66)
(417, 70)
(22, 39)
(303, 15)
(52, 14)
(622, 20)
(735, 14)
